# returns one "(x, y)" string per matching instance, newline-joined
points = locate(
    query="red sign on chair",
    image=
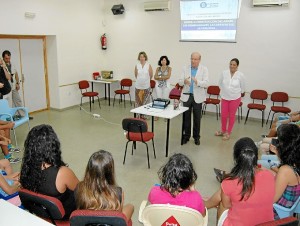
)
(171, 221)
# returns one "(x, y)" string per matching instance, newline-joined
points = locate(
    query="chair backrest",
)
(134, 125)
(177, 86)
(42, 205)
(152, 84)
(284, 211)
(279, 97)
(83, 84)
(165, 214)
(259, 94)
(213, 90)
(4, 108)
(126, 82)
(98, 217)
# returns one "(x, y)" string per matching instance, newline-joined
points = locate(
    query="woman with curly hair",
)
(98, 190)
(246, 194)
(43, 169)
(177, 187)
(287, 185)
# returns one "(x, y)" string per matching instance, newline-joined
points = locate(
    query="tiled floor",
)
(81, 135)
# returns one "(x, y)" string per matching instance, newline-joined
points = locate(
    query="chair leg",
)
(247, 116)
(81, 103)
(15, 137)
(147, 155)
(241, 113)
(133, 145)
(124, 101)
(90, 103)
(99, 102)
(153, 148)
(268, 117)
(125, 152)
(262, 118)
(114, 100)
(130, 99)
(238, 114)
(272, 120)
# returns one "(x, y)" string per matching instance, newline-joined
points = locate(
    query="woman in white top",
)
(143, 73)
(232, 85)
(162, 75)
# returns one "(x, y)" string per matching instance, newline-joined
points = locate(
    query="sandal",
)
(219, 133)
(226, 136)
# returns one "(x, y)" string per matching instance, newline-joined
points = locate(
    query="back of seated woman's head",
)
(245, 155)
(177, 174)
(288, 147)
(98, 188)
(41, 147)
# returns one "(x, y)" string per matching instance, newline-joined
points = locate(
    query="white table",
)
(13, 215)
(167, 113)
(105, 82)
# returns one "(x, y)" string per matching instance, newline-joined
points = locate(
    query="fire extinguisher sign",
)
(104, 41)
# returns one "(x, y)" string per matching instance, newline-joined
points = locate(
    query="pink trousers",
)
(228, 110)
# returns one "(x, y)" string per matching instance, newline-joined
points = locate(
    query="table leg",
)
(134, 143)
(105, 91)
(152, 124)
(92, 91)
(167, 139)
(108, 94)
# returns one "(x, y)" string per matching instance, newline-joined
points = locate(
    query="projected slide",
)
(209, 20)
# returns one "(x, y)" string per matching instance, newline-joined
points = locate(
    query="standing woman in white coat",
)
(232, 85)
(143, 73)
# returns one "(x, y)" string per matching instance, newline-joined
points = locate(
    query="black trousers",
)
(197, 109)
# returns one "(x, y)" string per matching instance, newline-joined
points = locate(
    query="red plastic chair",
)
(125, 83)
(177, 96)
(46, 207)
(83, 86)
(213, 98)
(259, 95)
(137, 130)
(281, 97)
(152, 86)
(98, 217)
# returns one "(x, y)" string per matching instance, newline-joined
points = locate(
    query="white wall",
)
(267, 43)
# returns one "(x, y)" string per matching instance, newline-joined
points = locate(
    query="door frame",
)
(43, 37)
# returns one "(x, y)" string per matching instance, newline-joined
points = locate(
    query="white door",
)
(32, 56)
(12, 45)
(28, 58)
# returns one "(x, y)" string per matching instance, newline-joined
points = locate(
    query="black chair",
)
(46, 207)
(137, 130)
(98, 217)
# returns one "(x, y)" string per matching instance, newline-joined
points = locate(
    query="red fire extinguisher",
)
(103, 41)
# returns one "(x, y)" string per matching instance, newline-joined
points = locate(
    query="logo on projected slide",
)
(209, 5)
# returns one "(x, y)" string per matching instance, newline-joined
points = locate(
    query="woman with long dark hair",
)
(43, 169)
(98, 190)
(177, 187)
(246, 194)
(287, 148)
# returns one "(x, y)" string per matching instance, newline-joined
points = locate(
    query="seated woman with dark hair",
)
(247, 192)
(43, 169)
(287, 174)
(177, 187)
(98, 190)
